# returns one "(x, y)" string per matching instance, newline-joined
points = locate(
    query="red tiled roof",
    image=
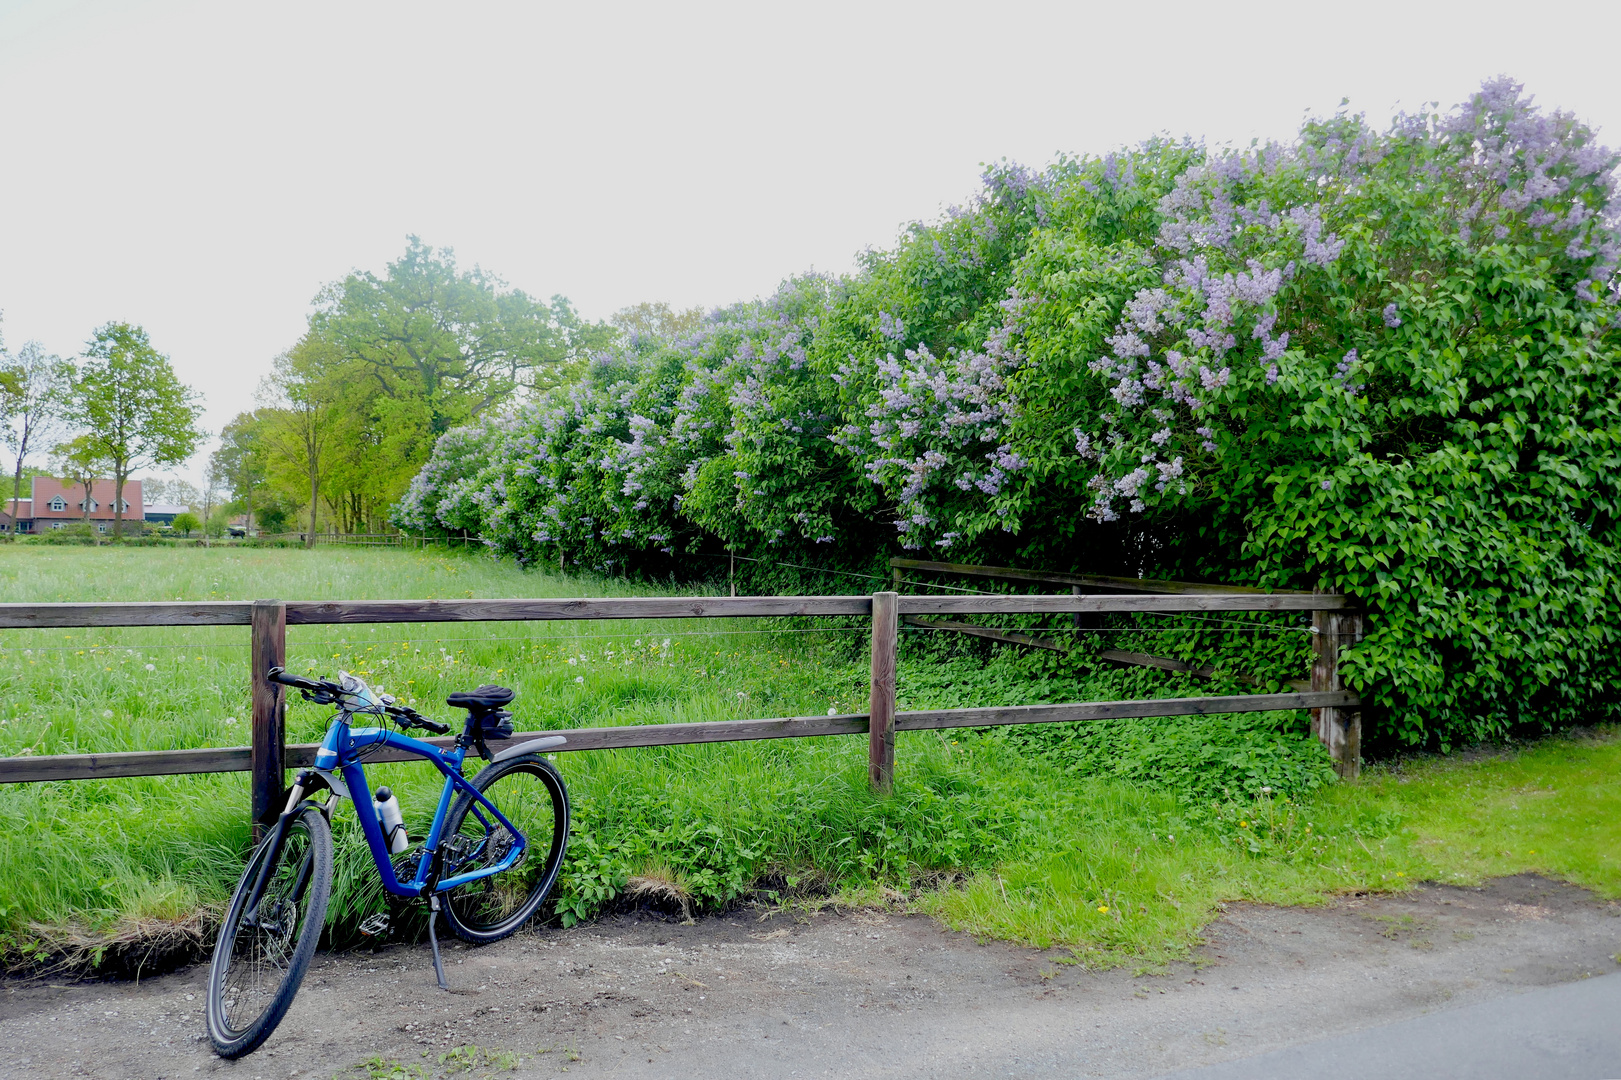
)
(47, 488)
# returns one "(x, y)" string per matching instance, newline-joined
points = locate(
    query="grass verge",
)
(1116, 840)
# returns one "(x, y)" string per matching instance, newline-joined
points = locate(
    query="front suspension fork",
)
(273, 842)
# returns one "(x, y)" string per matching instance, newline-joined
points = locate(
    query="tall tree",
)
(658, 320)
(458, 341)
(136, 410)
(35, 390)
(240, 460)
(83, 461)
(299, 424)
(177, 492)
(213, 486)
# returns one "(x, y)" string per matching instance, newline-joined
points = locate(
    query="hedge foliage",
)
(1382, 361)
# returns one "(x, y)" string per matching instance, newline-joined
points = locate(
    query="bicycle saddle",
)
(483, 699)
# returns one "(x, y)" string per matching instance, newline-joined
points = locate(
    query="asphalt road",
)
(1569, 1032)
(1512, 979)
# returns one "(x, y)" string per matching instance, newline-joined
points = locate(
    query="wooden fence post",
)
(881, 707)
(268, 650)
(1338, 729)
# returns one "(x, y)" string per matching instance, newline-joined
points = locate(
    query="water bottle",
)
(393, 822)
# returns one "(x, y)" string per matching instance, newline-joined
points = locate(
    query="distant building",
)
(164, 513)
(56, 504)
(25, 513)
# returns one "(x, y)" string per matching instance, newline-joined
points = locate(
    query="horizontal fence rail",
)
(1336, 716)
(327, 612)
(1089, 581)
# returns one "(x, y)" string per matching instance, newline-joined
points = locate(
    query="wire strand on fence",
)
(1114, 629)
(796, 566)
(604, 637)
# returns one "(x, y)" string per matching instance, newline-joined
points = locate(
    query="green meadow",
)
(1116, 840)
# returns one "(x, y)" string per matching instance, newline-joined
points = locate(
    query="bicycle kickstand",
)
(433, 940)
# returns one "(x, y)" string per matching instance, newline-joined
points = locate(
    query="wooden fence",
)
(1079, 583)
(1336, 715)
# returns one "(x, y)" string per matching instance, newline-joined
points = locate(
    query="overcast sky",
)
(202, 169)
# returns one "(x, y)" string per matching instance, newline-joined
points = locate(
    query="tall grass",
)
(1116, 840)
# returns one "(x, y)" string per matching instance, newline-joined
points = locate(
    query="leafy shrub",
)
(1378, 361)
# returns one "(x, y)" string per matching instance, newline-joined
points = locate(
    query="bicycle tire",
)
(256, 970)
(531, 793)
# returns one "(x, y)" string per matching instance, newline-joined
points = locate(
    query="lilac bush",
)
(1377, 359)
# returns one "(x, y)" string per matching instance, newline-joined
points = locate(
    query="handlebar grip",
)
(437, 729)
(281, 675)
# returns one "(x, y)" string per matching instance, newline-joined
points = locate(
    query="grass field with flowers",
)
(1117, 840)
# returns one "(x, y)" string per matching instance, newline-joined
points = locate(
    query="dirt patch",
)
(860, 993)
(134, 949)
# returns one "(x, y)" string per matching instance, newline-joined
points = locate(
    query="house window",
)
(101, 528)
(125, 504)
(56, 524)
(94, 506)
(58, 504)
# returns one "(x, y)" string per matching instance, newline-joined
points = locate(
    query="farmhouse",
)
(55, 504)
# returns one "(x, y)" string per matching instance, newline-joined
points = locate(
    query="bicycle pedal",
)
(373, 925)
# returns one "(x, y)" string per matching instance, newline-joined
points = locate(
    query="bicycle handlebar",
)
(326, 692)
(411, 718)
(283, 676)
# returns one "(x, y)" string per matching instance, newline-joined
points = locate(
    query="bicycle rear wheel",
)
(530, 793)
(261, 955)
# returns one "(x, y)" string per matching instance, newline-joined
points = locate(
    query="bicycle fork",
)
(277, 837)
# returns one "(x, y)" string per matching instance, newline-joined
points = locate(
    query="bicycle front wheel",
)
(261, 954)
(530, 793)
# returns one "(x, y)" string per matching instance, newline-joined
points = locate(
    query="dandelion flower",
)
(1103, 907)
(579, 678)
(106, 714)
(151, 667)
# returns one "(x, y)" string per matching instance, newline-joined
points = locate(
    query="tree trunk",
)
(315, 505)
(17, 485)
(119, 476)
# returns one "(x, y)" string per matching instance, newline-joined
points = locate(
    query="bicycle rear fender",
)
(533, 746)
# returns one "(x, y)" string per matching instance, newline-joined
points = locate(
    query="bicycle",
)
(474, 856)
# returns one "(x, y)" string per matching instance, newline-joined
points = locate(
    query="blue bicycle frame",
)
(340, 754)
